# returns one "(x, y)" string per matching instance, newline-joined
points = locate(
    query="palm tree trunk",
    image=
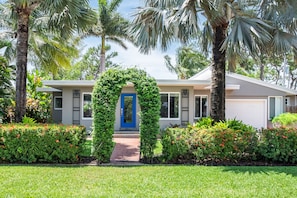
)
(262, 67)
(217, 92)
(21, 62)
(102, 56)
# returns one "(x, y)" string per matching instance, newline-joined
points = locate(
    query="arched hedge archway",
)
(105, 96)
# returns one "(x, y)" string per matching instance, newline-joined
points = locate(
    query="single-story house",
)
(182, 101)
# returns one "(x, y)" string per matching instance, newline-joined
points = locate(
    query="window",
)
(275, 106)
(201, 104)
(58, 101)
(169, 105)
(87, 105)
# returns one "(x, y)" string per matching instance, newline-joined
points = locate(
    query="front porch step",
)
(127, 134)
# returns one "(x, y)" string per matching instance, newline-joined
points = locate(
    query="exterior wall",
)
(56, 114)
(67, 105)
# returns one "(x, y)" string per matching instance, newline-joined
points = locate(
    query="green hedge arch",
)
(105, 96)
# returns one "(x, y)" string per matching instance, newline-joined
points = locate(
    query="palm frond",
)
(283, 42)
(149, 27)
(248, 32)
(114, 4)
(117, 40)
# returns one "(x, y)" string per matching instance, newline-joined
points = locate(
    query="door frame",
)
(122, 105)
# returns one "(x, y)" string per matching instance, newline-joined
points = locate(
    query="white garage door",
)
(250, 111)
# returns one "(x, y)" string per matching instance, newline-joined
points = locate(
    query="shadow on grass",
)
(288, 170)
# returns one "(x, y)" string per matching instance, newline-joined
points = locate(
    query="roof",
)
(206, 75)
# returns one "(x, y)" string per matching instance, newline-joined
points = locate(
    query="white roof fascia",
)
(89, 83)
(228, 87)
(68, 83)
(182, 82)
(47, 89)
(205, 74)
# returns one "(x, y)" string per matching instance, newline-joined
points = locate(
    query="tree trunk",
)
(21, 62)
(102, 57)
(262, 67)
(217, 92)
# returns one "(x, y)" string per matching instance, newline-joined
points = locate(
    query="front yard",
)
(147, 181)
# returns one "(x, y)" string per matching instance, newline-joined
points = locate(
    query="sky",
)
(153, 63)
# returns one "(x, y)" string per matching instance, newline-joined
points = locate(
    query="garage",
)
(250, 111)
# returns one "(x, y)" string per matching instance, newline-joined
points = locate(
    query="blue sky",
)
(152, 63)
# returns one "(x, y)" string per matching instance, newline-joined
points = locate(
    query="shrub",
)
(202, 142)
(278, 145)
(41, 143)
(204, 123)
(285, 120)
(175, 145)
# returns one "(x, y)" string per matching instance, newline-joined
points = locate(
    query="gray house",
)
(182, 101)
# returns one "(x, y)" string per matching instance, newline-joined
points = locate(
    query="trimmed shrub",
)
(41, 143)
(225, 141)
(278, 145)
(175, 145)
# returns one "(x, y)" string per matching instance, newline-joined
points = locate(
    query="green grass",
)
(147, 181)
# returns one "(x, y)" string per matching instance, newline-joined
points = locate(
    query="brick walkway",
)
(126, 148)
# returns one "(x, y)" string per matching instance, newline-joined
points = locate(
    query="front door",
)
(128, 110)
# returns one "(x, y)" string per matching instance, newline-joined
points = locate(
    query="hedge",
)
(41, 143)
(199, 145)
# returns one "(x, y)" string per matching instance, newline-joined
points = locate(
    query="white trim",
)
(55, 108)
(268, 107)
(228, 87)
(207, 110)
(82, 106)
(179, 105)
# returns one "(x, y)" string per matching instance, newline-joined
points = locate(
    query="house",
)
(182, 101)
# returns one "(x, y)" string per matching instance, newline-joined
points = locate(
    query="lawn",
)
(147, 181)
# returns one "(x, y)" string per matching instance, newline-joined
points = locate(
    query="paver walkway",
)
(126, 148)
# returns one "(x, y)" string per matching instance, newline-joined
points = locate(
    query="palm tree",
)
(232, 24)
(67, 15)
(52, 53)
(188, 62)
(110, 26)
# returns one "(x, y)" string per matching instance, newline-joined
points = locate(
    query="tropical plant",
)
(238, 25)
(87, 67)
(188, 62)
(70, 15)
(6, 88)
(52, 53)
(38, 104)
(110, 26)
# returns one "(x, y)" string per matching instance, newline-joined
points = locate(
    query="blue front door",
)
(128, 110)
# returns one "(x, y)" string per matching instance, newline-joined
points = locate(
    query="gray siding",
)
(252, 90)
